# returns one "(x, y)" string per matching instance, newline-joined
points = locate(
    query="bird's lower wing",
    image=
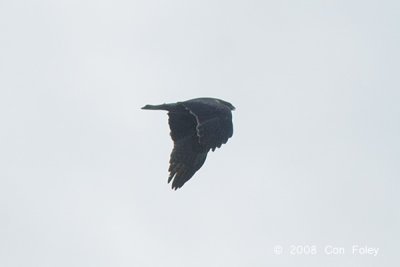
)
(186, 159)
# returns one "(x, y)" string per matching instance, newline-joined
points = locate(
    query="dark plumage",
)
(197, 125)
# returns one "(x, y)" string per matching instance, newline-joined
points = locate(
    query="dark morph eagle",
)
(197, 125)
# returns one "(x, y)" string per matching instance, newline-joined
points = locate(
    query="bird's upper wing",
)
(214, 132)
(214, 123)
(187, 157)
(181, 122)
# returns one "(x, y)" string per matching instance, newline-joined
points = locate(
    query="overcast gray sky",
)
(314, 160)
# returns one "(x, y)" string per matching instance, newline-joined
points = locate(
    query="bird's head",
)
(227, 104)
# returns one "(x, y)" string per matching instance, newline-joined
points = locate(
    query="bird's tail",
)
(157, 107)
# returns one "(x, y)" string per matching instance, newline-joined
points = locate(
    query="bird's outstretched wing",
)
(187, 158)
(214, 132)
(188, 155)
(213, 124)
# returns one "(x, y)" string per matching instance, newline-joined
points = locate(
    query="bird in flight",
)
(197, 126)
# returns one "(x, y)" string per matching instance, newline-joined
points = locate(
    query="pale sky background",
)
(314, 159)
